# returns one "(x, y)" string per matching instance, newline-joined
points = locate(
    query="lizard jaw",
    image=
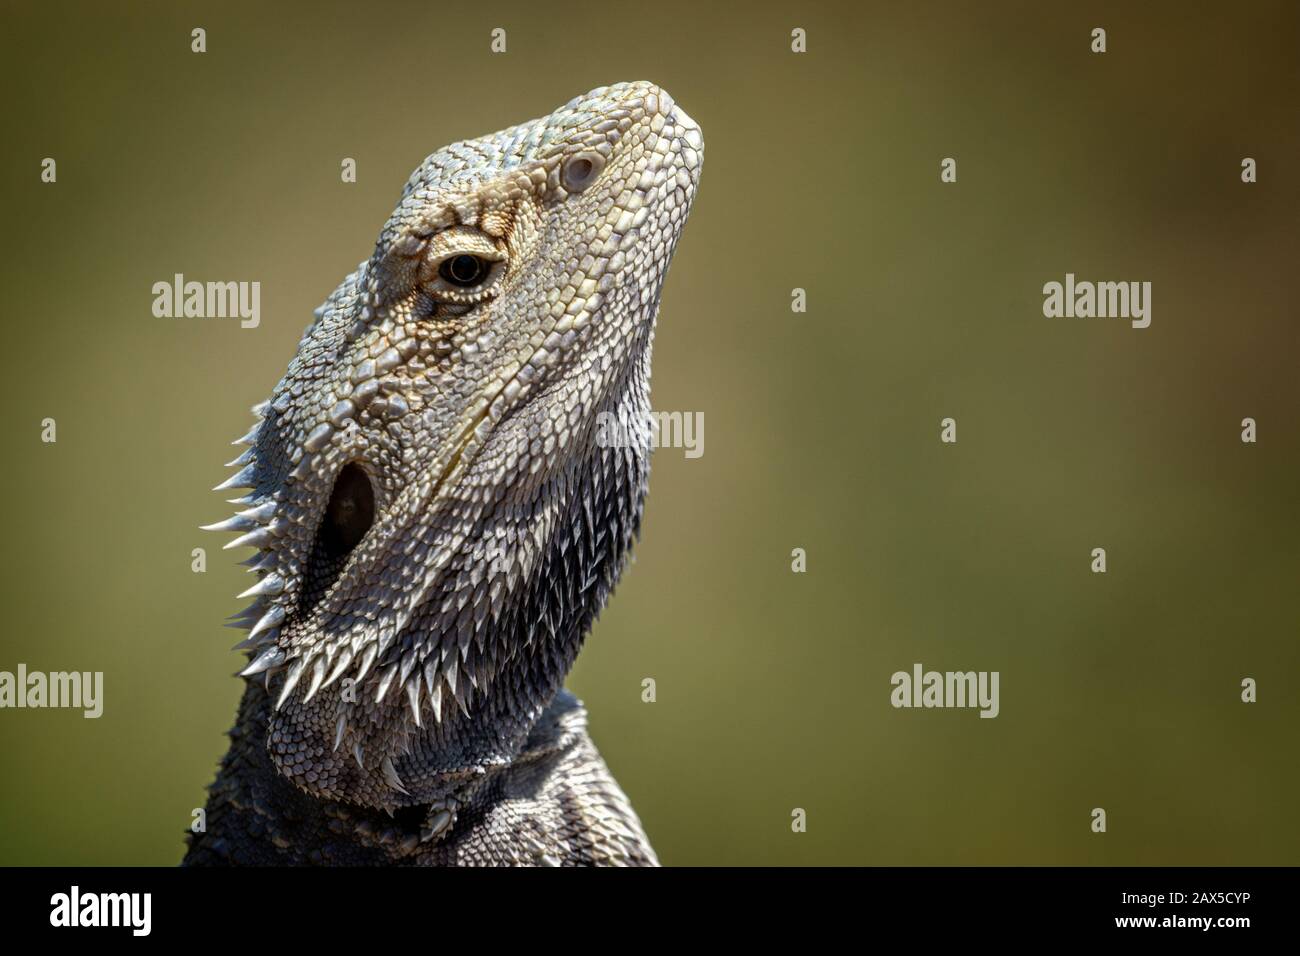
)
(292, 587)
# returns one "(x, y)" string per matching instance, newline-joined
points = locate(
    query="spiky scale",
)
(237, 523)
(270, 585)
(367, 660)
(413, 696)
(258, 538)
(272, 618)
(339, 666)
(243, 478)
(263, 662)
(290, 682)
(241, 460)
(390, 775)
(265, 639)
(435, 702)
(317, 676)
(385, 681)
(249, 438)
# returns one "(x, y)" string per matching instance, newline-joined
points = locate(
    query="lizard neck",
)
(543, 630)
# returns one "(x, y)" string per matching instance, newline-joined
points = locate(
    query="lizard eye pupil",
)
(464, 270)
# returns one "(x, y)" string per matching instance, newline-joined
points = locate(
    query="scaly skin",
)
(439, 514)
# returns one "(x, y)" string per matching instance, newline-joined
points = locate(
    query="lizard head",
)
(437, 509)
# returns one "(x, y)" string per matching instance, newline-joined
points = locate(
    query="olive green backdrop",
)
(1119, 690)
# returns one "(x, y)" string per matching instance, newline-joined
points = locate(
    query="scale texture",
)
(442, 492)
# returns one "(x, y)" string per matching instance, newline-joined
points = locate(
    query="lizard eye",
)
(580, 171)
(464, 270)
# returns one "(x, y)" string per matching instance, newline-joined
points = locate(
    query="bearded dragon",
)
(438, 513)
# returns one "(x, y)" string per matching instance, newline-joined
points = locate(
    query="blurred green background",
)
(822, 430)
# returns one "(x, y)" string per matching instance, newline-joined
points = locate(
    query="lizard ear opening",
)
(347, 518)
(349, 514)
(581, 170)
